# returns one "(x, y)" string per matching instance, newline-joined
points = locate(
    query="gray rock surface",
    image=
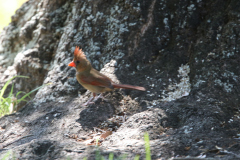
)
(186, 54)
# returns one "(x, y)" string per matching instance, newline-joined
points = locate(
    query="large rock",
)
(185, 53)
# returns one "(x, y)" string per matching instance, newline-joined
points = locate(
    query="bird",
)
(93, 80)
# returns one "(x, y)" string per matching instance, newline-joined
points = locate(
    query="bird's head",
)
(80, 61)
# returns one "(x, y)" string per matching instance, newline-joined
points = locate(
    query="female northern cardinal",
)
(92, 79)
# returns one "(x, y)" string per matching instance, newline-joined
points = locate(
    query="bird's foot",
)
(93, 99)
(88, 102)
(99, 96)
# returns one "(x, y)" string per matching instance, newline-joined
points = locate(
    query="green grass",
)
(9, 155)
(10, 102)
(110, 157)
(137, 157)
(147, 146)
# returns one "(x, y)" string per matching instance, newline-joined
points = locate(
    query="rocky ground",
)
(185, 53)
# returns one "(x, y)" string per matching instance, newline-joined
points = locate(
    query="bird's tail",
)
(126, 86)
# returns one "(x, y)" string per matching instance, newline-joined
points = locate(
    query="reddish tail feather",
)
(126, 86)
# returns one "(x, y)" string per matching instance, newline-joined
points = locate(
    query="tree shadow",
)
(115, 103)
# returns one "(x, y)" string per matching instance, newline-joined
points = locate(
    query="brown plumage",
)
(92, 79)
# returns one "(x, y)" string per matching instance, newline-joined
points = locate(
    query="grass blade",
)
(10, 94)
(6, 84)
(28, 94)
(147, 146)
(137, 157)
(111, 155)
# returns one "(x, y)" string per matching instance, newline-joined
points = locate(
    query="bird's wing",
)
(97, 79)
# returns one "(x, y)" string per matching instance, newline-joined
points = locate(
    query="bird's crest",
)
(78, 53)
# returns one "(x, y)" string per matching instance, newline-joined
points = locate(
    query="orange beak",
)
(72, 64)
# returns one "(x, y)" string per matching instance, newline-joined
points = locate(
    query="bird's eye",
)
(78, 62)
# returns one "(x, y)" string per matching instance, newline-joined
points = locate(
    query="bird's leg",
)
(100, 96)
(95, 99)
(90, 100)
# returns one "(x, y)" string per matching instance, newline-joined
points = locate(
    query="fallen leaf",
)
(106, 134)
(187, 148)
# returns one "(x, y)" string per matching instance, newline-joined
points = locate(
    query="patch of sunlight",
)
(7, 9)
